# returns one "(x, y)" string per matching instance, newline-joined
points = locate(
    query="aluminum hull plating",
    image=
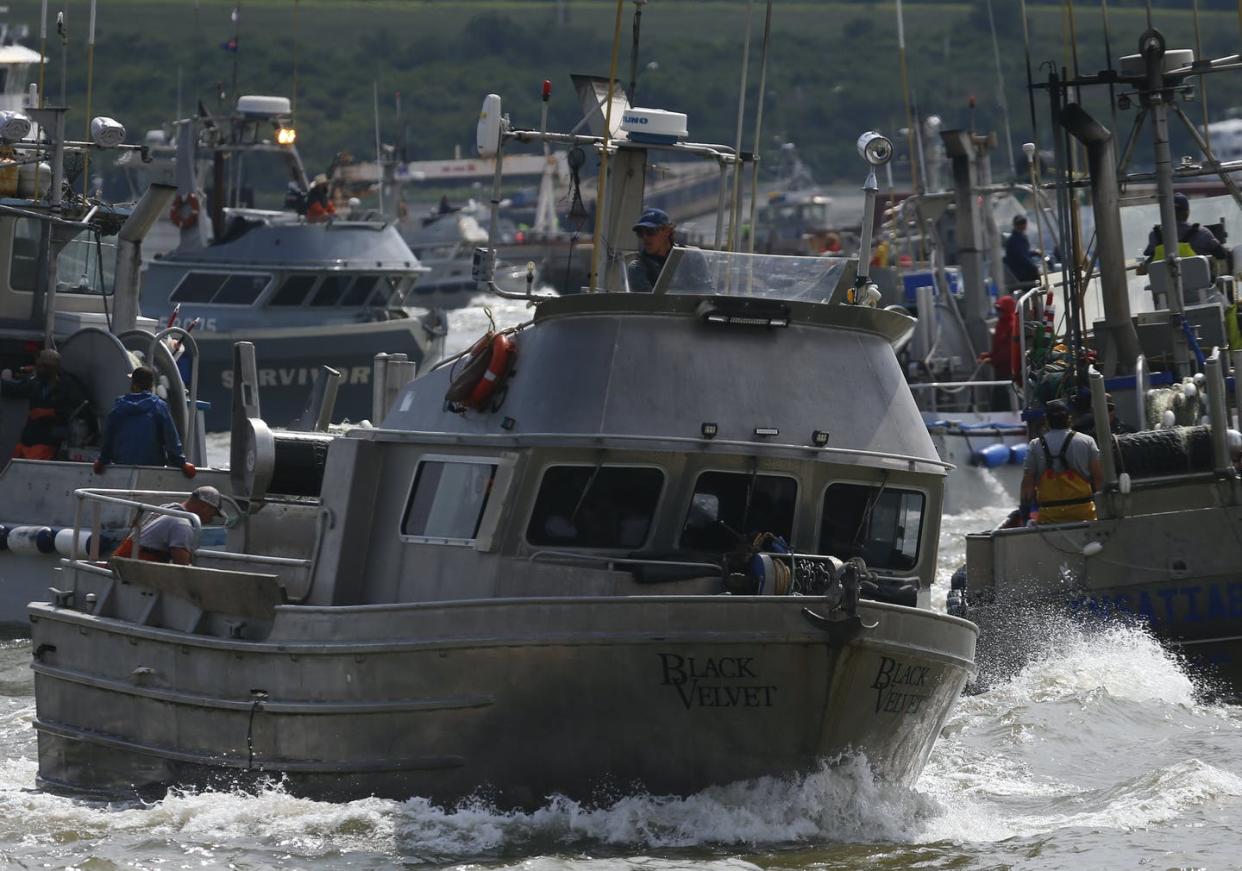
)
(1174, 571)
(571, 696)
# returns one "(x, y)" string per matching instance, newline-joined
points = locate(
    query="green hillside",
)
(833, 69)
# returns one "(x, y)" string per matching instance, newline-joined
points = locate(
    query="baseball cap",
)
(209, 495)
(1180, 201)
(653, 219)
(1055, 407)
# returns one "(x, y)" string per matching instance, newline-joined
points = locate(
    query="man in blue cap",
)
(1192, 239)
(655, 229)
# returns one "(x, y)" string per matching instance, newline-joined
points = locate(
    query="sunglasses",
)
(647, 231)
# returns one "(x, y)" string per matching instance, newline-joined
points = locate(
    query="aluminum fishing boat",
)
(647, 541)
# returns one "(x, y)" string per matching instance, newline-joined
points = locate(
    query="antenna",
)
(90, 82)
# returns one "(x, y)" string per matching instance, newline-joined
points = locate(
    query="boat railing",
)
(131, 499)
(609, 560)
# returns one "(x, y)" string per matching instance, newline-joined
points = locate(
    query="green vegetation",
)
(833, 69)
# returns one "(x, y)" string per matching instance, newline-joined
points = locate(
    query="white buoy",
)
(64, 544)
(1123, 483)
(1168, 419)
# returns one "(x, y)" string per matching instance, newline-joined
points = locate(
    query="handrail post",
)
(1103, 430)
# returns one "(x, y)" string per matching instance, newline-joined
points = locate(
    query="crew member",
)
(1006, 353)
(1062, 471)
(140, 431)
(167, 538)
(1191, 238)
(655, 232)
(55, 399)
(319, 205)
(1018, 255)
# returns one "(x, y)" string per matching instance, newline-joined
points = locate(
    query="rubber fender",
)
(991, 456)
(46, 539)
(64, 543)
(4, 538)
(25, 539)
(1017, 453)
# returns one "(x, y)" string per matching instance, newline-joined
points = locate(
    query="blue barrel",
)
(991, 456)
(1017, 453)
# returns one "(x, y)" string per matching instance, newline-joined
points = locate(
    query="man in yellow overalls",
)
(1062, 472)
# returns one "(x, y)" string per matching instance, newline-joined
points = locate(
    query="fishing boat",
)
(626, 517)
(1162, 551)
(70, 267)
(309, 289)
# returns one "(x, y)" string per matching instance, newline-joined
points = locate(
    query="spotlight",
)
(709, 430)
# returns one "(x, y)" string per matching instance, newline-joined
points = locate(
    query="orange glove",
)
(41, 413)
(188, 470)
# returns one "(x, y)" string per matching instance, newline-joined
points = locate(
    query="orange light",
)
(286, 136)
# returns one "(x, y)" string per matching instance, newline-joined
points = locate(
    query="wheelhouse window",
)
(241, 289)
(330, 290)
(595, 506)
(447, 499)
(360, 290)
(881, 525)
(84, 263)
(198, 287)
(730, 508)
(24, 262)
(293, 290)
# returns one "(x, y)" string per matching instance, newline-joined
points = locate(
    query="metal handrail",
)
(595, 439)
(936, 385)
(110, 497)
(604, 558)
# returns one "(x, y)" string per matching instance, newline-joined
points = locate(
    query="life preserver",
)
(487, 364)
(184, 211)
(497, 369)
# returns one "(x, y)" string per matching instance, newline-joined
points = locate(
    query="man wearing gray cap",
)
(166, 538)
(55, 399)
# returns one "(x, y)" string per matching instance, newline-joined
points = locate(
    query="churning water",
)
(1097, 754)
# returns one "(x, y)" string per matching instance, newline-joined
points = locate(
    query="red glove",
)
(99, 467)
(188, 470)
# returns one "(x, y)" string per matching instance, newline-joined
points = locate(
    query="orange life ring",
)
(487, 364)
(184, 211)
(502, 355)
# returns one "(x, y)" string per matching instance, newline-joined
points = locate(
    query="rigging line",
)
(1203, 79)
(905, 95)
(1030, 81)
(1000, 92)
(1112, 87)
(602, 183)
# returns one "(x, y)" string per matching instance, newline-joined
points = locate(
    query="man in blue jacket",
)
(140, 430)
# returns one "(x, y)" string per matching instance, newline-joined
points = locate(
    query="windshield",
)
(762, 276)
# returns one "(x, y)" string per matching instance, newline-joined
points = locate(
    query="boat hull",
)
(584, 698)
(1173, 573)
(290, 360)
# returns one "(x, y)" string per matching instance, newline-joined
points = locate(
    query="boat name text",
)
(299, 376)
(713, 681)
(896, 687)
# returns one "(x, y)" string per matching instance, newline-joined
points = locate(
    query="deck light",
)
(819, 437)
(767, 431)
(709, 430)
(286, 135)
